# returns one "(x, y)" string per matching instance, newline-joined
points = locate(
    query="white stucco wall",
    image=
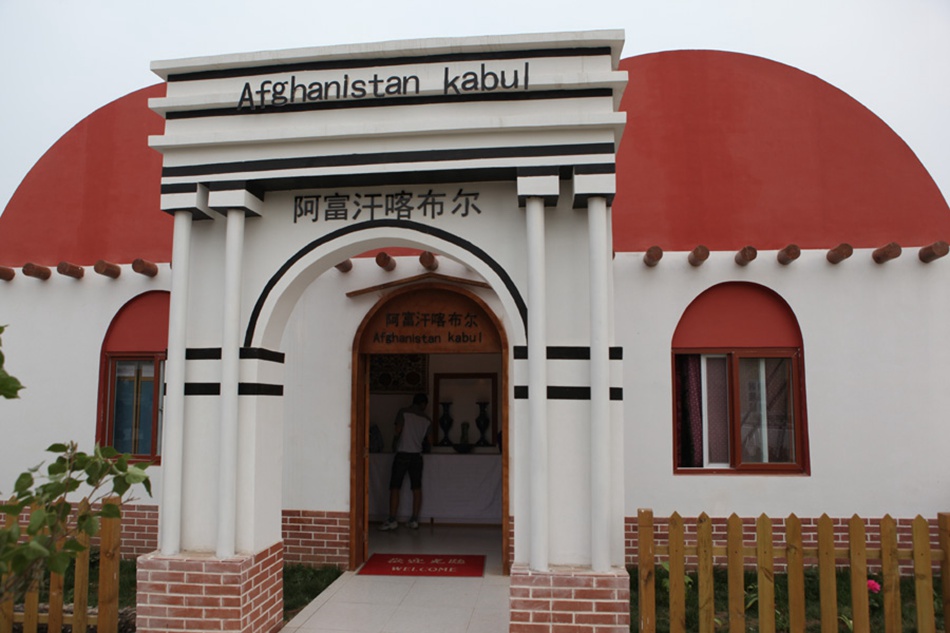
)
(52, 344)
(875, 342)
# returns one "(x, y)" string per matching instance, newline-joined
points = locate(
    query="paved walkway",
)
(396, 604)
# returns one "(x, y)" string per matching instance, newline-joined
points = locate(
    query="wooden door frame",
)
(359, 439)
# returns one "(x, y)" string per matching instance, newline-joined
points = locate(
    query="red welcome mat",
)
(466, 565)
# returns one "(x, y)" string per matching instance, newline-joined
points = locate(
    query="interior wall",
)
(384, 406)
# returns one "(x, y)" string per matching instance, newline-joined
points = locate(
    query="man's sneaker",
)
(413, 524)
(388, 524)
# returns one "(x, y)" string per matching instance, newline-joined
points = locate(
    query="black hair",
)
(420, 398)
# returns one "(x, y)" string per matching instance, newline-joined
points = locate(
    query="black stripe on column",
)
(520, 352)
(568, 393)
(521, 392)
(259, 389)
(203, 353)
(202, 389)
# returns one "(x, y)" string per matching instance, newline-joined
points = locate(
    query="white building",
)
(691, 281)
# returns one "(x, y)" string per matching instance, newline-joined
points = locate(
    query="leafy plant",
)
(9, 386)
(51, 536)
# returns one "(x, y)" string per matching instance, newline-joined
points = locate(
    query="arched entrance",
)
(450, 329)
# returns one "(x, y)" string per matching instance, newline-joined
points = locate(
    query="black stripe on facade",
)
(418, 227)
(565, 352)
(568, 393)
(180, 187)
(340, 104)
(380, 62)
(202, 389)
(259, 353)
(203, 353)
(259, 389)
(350, 160)
(604, 168)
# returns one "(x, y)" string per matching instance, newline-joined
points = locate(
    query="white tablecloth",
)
(455, 488)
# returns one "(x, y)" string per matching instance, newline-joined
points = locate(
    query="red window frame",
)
(801, 464)
(107, 428)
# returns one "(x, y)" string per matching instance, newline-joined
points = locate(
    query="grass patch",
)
(126, 582)
(812, 601)
(302, 584)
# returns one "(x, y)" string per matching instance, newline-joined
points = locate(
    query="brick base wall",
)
(139, 530)
(809, 538)
(313, 537)
(193, 592)
(569, 600)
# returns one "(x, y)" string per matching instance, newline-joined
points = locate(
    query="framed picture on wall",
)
(465, 409)
(398, 373)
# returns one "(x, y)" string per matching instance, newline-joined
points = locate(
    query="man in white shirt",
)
(411, 440)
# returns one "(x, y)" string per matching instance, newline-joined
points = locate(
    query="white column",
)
(537, 386)
(230, 367)
(599, 383)
(173, 442)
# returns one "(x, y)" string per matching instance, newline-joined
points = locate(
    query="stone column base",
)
(194, 591)
(569, 600)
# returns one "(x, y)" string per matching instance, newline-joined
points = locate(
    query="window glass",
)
(760, 424)
(717, 409)
(135, 415)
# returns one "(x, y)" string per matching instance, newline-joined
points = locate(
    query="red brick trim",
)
(139, 530)
(315, 537)
(194, 592)
(569, 600)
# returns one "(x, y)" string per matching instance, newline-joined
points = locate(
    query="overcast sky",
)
(62, 59)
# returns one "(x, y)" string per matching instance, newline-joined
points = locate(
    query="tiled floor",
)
(394, 604)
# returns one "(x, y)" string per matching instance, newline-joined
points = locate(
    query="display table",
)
(455, 488)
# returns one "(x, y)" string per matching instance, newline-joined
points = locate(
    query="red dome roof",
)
(720, 149)
(94, 194)
(725, 150)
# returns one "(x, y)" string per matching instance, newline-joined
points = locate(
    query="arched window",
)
(738, 381)
(132, 377)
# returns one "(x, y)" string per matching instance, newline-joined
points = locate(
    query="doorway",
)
(444, 341)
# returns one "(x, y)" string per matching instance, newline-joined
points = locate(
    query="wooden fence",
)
(791, 552)
(106, 620)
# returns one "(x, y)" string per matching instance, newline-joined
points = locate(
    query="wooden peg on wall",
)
(428, 260)
(745, 255)
(789, 254)
(839, 253)
(6, 273)
(935, 251)
(653, 256)
(144, 267)
(384, 261)
(345, 266)
(886, 253)
(107, 269)
(35, 270)
(698, 255)
(70, 270)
